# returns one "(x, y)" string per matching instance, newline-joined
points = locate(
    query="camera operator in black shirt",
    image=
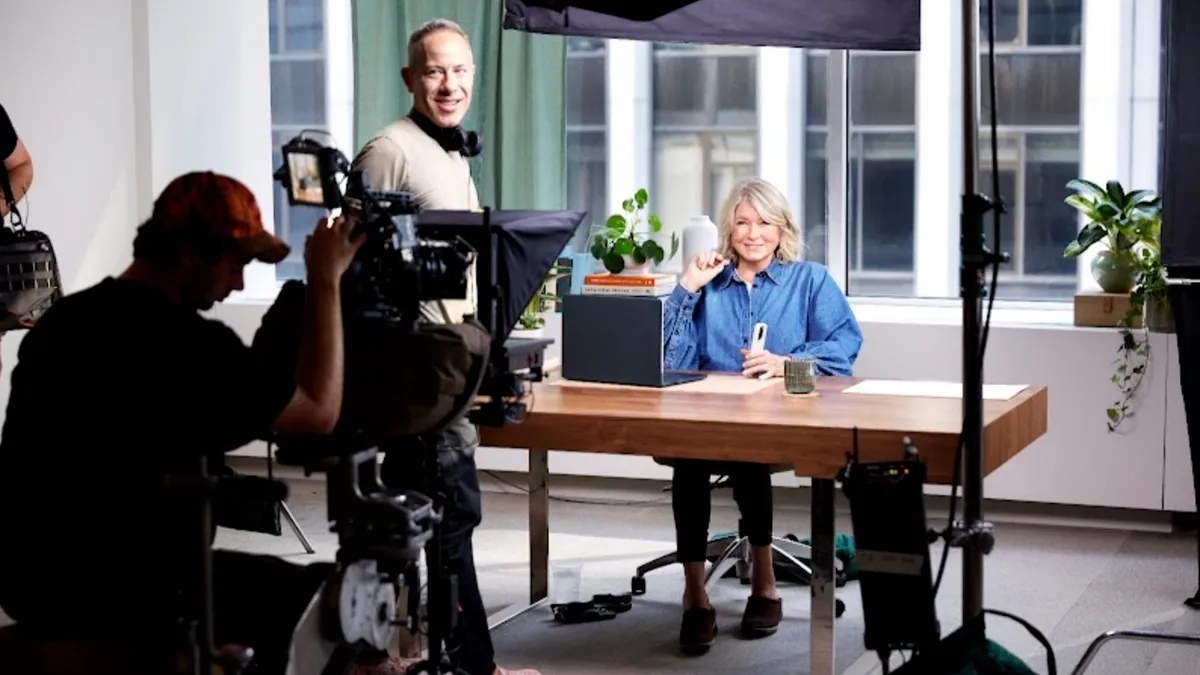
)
(125, 383)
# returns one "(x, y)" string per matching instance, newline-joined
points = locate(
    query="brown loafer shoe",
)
(762, 616)
(699, 628)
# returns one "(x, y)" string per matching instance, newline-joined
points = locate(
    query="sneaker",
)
(699, 628)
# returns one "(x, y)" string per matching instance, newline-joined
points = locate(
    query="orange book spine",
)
(616, 280)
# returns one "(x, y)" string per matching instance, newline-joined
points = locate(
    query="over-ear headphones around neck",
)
(454, 139)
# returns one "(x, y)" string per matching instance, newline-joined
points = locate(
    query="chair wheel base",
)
(638, 585)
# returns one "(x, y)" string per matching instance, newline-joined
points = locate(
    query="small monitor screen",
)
(305, 172)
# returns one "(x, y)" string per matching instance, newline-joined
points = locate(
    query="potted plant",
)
(532, 322)
(1129, 224)
(623, 246)
(1123, 221)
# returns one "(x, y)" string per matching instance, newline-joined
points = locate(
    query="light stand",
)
(973, 534)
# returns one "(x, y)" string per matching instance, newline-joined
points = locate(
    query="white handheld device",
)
(758, 343)
(758, 340)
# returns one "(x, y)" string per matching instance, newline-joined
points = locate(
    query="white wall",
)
(73, 100)
(114, 98)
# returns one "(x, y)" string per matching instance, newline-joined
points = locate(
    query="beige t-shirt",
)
(403, 157)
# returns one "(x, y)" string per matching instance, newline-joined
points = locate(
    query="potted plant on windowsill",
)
(1123, 222)
(1130, 225)
(532, 322)
(623, 246)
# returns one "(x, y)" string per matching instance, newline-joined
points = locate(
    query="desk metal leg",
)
(539, 525)
(824, 584)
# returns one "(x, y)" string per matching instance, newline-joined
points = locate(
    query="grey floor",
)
(1072, 578)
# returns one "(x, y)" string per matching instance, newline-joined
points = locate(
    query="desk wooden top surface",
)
(813, 433)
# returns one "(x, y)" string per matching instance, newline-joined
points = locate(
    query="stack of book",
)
(645, 285)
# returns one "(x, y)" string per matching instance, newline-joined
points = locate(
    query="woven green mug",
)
(799, 376)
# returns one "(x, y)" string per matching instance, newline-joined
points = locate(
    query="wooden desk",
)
(811, 433)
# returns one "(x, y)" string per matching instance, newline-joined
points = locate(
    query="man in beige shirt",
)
(425, 153)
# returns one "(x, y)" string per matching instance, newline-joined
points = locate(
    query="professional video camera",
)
(414, 258)
(408, 375)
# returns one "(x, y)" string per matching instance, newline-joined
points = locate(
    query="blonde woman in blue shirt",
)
(756, 275)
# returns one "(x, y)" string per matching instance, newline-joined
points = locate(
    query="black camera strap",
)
(10, 200)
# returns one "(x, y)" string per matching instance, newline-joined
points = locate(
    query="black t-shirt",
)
(8, 136)
(114, 388)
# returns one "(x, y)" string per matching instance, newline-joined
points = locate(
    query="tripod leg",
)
(291, 520)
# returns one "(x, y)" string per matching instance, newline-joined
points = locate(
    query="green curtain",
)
(518, 104)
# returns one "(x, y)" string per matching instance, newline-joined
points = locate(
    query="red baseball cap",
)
(219, 206)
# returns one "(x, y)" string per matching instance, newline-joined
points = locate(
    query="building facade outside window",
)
(713, 120)
(298, 102)
(705, 127)
(587, 132)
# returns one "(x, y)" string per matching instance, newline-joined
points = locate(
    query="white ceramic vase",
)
(699, 236)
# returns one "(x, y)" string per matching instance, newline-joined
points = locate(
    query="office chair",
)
(733, 551)
(1133, 636)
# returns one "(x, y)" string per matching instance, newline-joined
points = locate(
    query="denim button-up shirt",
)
(807, 316)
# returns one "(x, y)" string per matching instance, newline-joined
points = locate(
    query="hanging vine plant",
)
(1133, 360)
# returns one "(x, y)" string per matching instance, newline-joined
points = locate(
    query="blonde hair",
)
(415, 54)
(772, 206)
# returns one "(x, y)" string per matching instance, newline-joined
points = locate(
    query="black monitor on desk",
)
(616, 340)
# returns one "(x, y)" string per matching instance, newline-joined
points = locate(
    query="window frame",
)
(629, 121)
(338, 58)
(282, 217)
(579, 243)
(705, 136)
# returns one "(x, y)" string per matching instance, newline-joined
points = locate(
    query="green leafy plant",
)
(621, 240)
(543, 300)
(1129, 224)
(1123, 222)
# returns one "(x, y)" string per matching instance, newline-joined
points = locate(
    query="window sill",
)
(949, 312)
(909, 311)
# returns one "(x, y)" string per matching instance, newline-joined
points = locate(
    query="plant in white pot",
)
(532, 322)
(624, 246)
(1123, 222)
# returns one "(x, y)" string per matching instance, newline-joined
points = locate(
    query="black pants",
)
(692, 502)
(404, 468)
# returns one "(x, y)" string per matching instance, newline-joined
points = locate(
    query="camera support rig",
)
(381, 533)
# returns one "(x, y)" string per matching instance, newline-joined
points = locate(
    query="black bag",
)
(29, 278)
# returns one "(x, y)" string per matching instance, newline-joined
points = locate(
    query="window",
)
(1038, 115)
(299, 102)
(1038, 69)
(881, 169)
(704, 127)
(587, 137)
(706, 115)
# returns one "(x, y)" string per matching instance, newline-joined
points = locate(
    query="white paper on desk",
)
(991, 392)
